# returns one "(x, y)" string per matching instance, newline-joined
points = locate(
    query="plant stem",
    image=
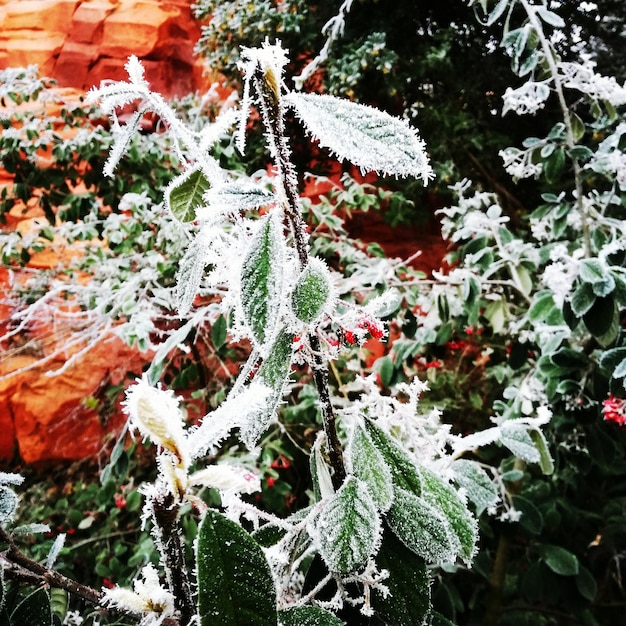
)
(273, 118)
(173, 554)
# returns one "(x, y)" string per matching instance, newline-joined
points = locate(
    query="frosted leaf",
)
(135, 71)
(516, 438)
(458, 518)
(477, 484)
(235, 197)
(8, 504)
(262, 279)
(190, 271)
(475, 440)
(56, 548)
(348, 529)
(230, 414)
(371, 139)
(185, 194)
(312, 292)
(422, 528)
(273, 373)
(367, 463)
(404, 471)
(227, 478)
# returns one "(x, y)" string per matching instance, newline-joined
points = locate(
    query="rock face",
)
(82, 42)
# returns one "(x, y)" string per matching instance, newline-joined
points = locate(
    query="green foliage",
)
(234, 580)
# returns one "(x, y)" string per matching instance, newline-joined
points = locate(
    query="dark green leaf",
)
(531, 520)
(34, 610)
(308, 616)
(235, 584)
(185, 194)
(553, 166)
(559, 560)
(586, 584)
(408, 603)
(601, 317)
(385, 369)
(545, 459)
(543, 304)
(348, 527)
(612, 358)
(261, 280)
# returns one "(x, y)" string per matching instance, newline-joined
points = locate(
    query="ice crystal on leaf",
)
(371, 139)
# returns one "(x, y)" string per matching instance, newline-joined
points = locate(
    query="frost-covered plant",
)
(391, 495)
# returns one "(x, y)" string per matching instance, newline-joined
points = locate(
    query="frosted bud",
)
(155, 413)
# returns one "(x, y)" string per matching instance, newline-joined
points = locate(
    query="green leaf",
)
(367, 137)
(602, 318)
(553, 165)
(235, 584)
(578, 126)
(549, 17)
(408, 602)
(545, 459)
(516, 438)
(185, 194)
(404, 471)
(583, 299)
(542, 306)
(312, 292)
(613, 359)
(586, 584)
(308, 616)
(598, 275)
(273, 373)
(385, 369)
(33, 610)
(422, 528)
(531, 520)
(476, 482)
(261, 280)
(348, 527)
(461, 521)
(559, 560)
(219, 332)
(368, 465)
(8, 504)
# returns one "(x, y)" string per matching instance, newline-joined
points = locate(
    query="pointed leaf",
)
(403, 470)
(320, 473)
(34, 610)
(583, 299)
(445, 499)
(273, 373)
(371, 139)
(308, 616)
(422, 528)
(185, 194)
(235, 584)
(516, 438)
(348, 527)
(312, 292)
(408, 602)
(368, 464)
(190, 272)
(476, 482)
(261, 280)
